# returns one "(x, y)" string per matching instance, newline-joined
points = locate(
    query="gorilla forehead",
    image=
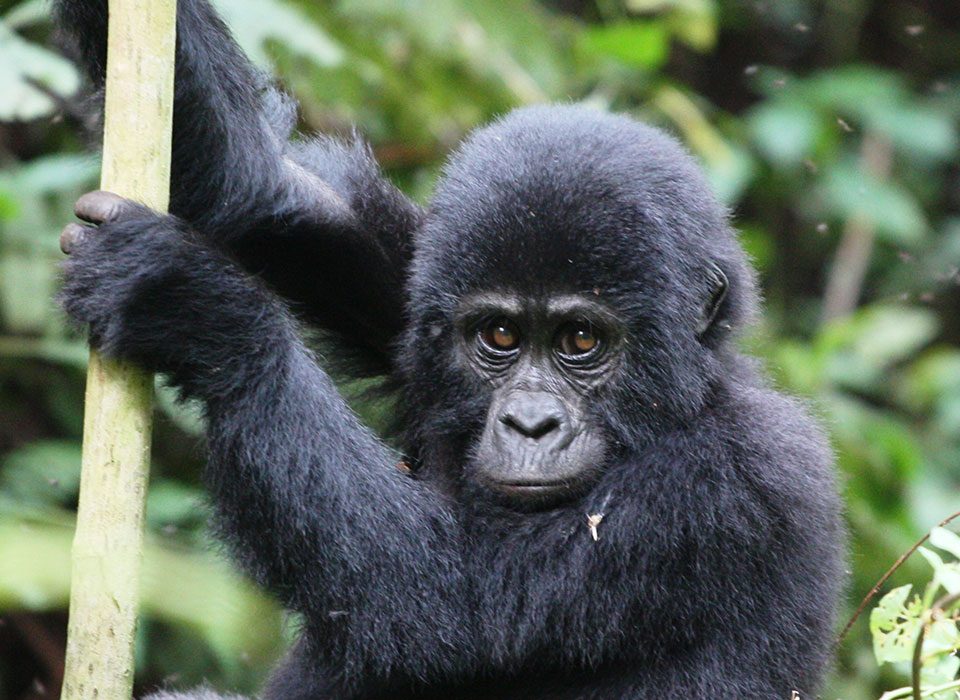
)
(569, 197)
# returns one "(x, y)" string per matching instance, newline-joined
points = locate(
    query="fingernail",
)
(71, 236)
(99, 207)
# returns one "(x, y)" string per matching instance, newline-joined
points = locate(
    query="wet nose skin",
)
(534, 415)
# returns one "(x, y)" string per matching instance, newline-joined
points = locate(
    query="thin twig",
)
(883, 579)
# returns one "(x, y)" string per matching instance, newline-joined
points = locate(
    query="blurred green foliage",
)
(921, 632)
(829, 128)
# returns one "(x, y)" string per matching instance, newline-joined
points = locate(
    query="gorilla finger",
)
(100, 207)
(73, 236)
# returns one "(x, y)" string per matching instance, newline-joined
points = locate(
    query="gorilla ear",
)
(718, 286)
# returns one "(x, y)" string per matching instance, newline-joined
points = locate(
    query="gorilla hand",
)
(152, 291)
(113, 263)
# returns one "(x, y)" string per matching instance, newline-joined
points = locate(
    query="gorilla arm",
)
(317, 221)
(311, 501)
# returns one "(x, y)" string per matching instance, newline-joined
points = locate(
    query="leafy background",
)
(830, 129)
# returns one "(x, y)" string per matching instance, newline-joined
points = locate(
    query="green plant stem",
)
(108, 543)
(917, 665)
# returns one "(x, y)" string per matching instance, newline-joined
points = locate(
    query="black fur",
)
(717, 564)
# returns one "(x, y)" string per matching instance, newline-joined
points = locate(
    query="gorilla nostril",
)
(534, 428)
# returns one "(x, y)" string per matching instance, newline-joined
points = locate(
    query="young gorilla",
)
(608, 501)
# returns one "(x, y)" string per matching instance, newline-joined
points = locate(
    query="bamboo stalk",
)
(108, 543)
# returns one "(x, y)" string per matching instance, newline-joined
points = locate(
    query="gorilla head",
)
(573, 286)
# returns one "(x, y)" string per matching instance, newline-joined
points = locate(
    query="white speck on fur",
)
(592, 522)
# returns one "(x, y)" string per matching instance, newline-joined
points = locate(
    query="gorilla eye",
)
(500, 335)
(577, 340)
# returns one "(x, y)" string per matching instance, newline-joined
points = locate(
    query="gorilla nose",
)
(533, 415)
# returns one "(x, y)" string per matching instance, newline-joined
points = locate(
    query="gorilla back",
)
(606, 499)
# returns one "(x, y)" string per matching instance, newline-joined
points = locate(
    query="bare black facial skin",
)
(544, 360)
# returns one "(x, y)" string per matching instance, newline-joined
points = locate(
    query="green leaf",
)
(946, 574)
(52, 174)
(26, 291)
(636, 43)
(694, 22)
(43, 472)
(849, 192)
(860, 92)
(894, 625)
(760, 247)
(879, 451)
(939, 671)
(255, 22)
(916, 131)
(940, 664)
(512, 41)
(798, 366)
(935, 376)
(27, 13)
(943, 637)
(72, 353)
(196, 589)
(785, 131)
(729, 171)
(945, 539)
(729, 168)
(23, 63)
(865, 345)
(9, 206)
(173, 503)
(889, 334)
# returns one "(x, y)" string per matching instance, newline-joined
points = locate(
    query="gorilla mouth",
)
(523, 484)
(534, 490)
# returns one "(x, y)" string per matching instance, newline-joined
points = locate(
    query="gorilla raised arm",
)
(609, 502)
(315, 219)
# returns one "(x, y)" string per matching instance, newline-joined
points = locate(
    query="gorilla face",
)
(566, 303)
(544, 359)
